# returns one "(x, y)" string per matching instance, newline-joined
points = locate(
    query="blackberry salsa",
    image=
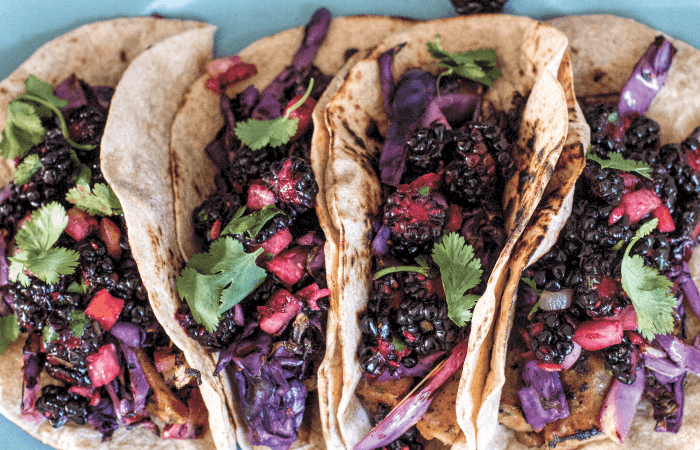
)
(439, 230)
(607, 300)
(72, 284)
(265, 312)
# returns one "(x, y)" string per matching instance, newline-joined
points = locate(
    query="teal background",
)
(26, 25)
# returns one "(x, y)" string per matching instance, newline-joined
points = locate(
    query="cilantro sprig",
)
(27, 168)
(23, 128)
(618, 162)
(251, 223)
(257, 134)
(478, 65)
(649, 291)
(538, 293)
(460, 271)
(99, 201)
(215, 281)
(35, 241)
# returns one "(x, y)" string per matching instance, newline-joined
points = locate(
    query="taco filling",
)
(258, 292)
(601, 319)
(70, 281)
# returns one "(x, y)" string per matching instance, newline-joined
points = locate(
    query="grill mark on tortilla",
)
(122, 56)
(524, 178)
(597, 75)
(349, 52)
(373, 133)
(358, 139)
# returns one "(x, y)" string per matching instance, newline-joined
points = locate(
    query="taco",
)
(92, 361)
(230, 192)
(610, 347)
(472, 179)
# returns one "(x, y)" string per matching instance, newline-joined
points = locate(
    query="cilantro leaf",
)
(27, 168)
(35, 240)
(51, 264)
(43, 230)
(100, 201)
(9, 331)
(23, 130)
(477, 65)
(538, 293)
(76, 322)
(460, 271)
(257, 134)
(214, 282)
(618, 162)
(649, 291)
(43, 91)
(423, 270)
(252, 223)
(49, 334)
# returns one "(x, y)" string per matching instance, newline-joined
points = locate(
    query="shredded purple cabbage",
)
(682, 354)
(386, 77)
(543, 397)
(130, 334)
(7, 304)
(31, 372)
(648, 77)
(620, 405)
(452, 110)
(78, 93)
(102, 418)
(315, 33)
(415, 89)
(670, 421)
(425, 364)
(137, 378)
(380, 243)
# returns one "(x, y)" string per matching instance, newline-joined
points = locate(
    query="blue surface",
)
(25, 25)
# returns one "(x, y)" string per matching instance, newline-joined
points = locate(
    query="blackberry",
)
(642, 140)
(499, 147)
(220, 205)
(553, 342)
(687, 180)
(59, 405)
(424, 326)
(684, 239)
(293, 183)
(607, 184)
(248, 165)
(424, 150)
(618, 360)
(66, 357)
(590, 223)
(664, 186)
(407, 441)
(482, 228)
(40, 303)
(466, 7)
(471, 175)
(553, 272)
(606, 130)
(655, 249)
(415, 222)
(375, 324)
(595, 304)
(220, 339)
(86, 124)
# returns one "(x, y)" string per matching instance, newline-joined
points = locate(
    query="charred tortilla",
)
(99, 53)
(603, 51)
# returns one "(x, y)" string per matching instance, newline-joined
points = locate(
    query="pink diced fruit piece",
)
(259, 196)
(663, 214)
(80, 224)
(598, 334)
(105, 309)
(103, 366)
(278, 242)
(280, 308)
(110, 234)
(311, 294)
(635, 205)
(289, 265)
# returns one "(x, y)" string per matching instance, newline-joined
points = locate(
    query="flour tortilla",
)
(99, 53)
(197, 124)
(527, 53)
(603, 50)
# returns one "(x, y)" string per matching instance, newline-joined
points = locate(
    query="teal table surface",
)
(26, 25)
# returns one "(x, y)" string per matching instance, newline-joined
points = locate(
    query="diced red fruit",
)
(280, 308)
(629, 180)
(536, 328)
(311, 293)
(226, 71)
(105, 309)
(278, 242)
(549, 367)
(110, 234)
(259, 196)
(607, 288)
(598, 334)
(635, 205)
(103, 366)
(628, 318)
(385, 348)
(453, 218)
(616, 214)
(80, 390)
(309, 239)
(666, 224)
(692, 157)
(215, 230)
(635, 338)
(303, 113)
(80, 224)
(410, 337)
(432, 180)
(289, 265)
(434, 285)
